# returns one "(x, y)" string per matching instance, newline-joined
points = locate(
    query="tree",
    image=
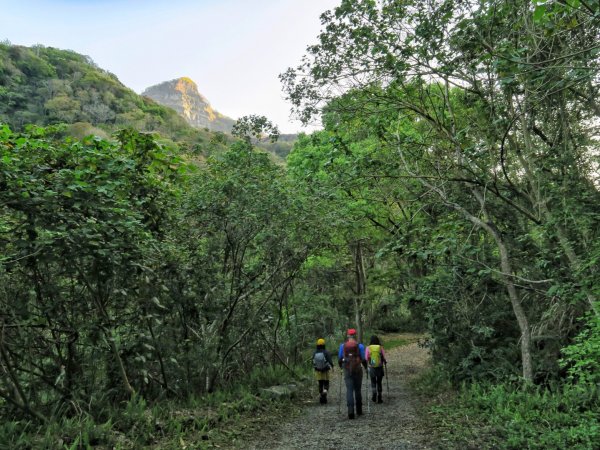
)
(255, 126)
(425, 61)
(76, 221)
(245, 255)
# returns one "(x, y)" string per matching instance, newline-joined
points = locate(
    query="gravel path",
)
(391, 425)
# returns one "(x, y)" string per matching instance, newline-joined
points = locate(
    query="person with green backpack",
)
(376, 359)
(323, 364)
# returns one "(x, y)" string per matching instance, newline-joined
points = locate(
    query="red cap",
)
(351, 332)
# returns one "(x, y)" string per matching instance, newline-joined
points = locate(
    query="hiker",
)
(322, 364)
(376, 359)
(351, 356)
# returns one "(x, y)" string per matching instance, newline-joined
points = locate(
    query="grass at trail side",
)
(391, 341)
(486, 416)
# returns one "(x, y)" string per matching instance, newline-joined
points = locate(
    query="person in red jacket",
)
(351, 356)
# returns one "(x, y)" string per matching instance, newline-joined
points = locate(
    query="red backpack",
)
(351, 356)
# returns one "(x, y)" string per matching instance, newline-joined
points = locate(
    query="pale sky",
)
(233, 49)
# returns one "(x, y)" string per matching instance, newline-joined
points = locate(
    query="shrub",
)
(582, 358)
(510, 417)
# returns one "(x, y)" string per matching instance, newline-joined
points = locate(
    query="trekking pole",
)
(340, 395)
(387, 380)
(367, 393)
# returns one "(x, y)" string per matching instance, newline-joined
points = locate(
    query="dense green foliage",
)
(502, 417)
(168, 424)
(469, 131)
(127, 273)
(453, 189)
(495, 145)
(282, 147)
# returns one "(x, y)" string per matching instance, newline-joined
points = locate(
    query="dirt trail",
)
(391, 425)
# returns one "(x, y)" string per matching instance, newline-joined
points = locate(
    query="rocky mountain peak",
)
(183, 96)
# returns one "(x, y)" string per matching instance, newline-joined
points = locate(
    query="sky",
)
(233, 49)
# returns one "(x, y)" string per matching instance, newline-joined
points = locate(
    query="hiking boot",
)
(379, 399)
(374, 398)
(359, 411)
(350, 416)
(325, 399)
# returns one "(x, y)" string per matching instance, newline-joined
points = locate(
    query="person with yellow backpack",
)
(375, 356)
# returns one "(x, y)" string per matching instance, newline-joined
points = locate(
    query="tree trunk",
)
(526, 358)
(515, 300)
(505, 264)
(161, 363)
(361, 289)
(20, 398)
(120, 365)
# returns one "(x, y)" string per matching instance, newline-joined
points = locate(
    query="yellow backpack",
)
(375, 359)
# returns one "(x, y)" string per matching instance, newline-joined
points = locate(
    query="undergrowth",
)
(486, 416)
(197, 422)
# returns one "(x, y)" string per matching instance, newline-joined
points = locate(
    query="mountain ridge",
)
(45, 85)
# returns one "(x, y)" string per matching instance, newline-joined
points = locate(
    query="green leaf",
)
(539, 12)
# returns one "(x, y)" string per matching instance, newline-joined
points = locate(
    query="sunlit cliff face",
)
(192, 102)
(182, 95)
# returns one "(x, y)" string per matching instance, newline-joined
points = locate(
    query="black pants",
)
(376, 374)
(353, 390)
(323, 387)
(323, 384)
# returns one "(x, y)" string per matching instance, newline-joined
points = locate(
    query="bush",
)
(510, 417)
(582, 359)
(165, 424)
